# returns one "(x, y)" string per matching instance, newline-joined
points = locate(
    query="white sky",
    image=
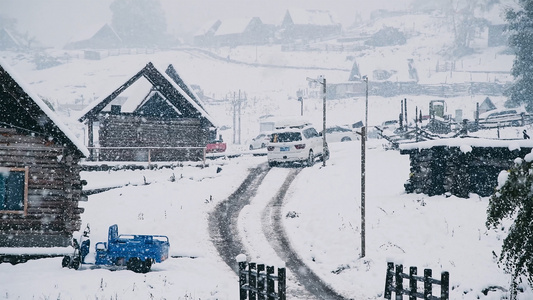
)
(55, 22)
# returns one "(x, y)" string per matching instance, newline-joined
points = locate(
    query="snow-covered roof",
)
(469, 142)
(48, 112)
(207, 27)
(301, 16)
(232, 26)
(98, 106)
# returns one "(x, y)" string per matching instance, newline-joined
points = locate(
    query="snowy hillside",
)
(321, 213)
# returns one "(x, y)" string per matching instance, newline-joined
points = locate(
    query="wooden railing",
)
(394, 283)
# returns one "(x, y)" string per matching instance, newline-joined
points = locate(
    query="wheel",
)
(135, 264)
(65, 262)
(263, 145)
(146, 266)
(311, 159)
(75, 263)
(272, 164)
(251, 147)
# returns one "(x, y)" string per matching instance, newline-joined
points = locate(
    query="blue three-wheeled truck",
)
(136, 252)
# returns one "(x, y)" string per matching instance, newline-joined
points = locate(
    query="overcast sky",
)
(56, 22)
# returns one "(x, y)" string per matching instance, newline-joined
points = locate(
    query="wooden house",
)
(205, 36)
(40, 185)
(235, 32)
(460, 166)
(154, 116)
(307, 24)
(105, 37)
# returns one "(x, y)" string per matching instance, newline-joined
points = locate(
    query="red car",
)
(215, 146)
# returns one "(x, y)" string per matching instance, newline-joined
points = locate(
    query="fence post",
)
(252, 281)
(282, 285)
(242, 280)
(388, 280)
(412, 283)
(260, 282)
(399, 282)
(445, 286)
(427, 284)
(270, 282)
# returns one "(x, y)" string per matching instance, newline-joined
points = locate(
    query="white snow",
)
(323, 204)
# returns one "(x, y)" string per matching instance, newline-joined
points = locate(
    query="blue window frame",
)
(13, 190)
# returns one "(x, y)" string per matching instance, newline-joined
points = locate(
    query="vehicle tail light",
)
(299, 146)
(270, 148)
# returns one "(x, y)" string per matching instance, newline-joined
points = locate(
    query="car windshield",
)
(282, 137)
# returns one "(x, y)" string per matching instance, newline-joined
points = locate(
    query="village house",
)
(235, 32)
(307, 24)
(40, 185)
(154, 116)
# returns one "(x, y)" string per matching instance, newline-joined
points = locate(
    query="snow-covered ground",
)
(444, 234)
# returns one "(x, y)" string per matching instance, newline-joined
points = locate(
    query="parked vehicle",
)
(215, 146)
(337, 134)
(296, 144)
(260, 141)
(136, 252)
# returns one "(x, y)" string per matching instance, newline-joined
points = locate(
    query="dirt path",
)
(302, 283)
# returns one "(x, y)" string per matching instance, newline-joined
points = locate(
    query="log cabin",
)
(154, 116)
(40, 184)
(460, 166)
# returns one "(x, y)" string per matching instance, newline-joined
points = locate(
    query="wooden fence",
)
(258, 282)
(394, 283)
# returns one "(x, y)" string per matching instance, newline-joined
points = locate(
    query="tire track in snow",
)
(275, 233)
(302, 283)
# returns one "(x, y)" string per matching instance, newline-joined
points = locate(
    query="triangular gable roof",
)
(487, 104)
(101, 35)
(21, 108)
(8, 39)
(233, 26)
(208, 28)
(311, 17)
(162, 83)
(172, 73)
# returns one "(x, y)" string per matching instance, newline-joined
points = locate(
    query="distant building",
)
(497, 35)
(154, 116)
(235, 32)
(8, 40)
(103, 38)
(205, 36)
(486, 106)
(40, 185)
(302, 24)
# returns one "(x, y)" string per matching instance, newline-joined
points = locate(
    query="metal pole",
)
(363, 175)
(324, 126)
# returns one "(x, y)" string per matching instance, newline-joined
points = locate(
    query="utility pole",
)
(363, 181)
(325, 145)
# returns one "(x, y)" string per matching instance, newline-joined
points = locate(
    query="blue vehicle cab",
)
(136, 252)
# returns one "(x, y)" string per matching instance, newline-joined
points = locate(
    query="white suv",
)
(301, 144)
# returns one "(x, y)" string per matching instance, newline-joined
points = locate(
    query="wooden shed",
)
(40, 185)
(153, 116)
(460, 166)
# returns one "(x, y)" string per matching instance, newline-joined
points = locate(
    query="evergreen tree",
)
(140, 23)
(520, 28)
(513, 199)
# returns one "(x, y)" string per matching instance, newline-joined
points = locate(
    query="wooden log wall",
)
(54, 190)
(136, 131)
(443, 169)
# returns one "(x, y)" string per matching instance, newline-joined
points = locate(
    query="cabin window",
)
(13, 190)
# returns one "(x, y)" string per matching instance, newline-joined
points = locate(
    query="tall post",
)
(363, 180)
(234, 117)
(91, 138)
(366, 104)
(240, 100)
(406, 121)
(325, 147)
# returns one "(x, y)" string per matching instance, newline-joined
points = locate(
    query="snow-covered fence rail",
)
(257, 282)
(148, 154)
(394, 283)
